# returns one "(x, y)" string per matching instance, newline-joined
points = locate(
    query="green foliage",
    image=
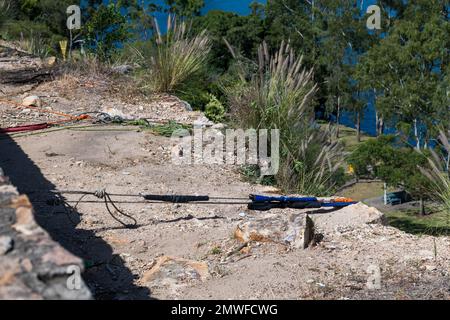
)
(105, 30)
(395, 164)
(252, 174)
(437, 224)
(4, 8)
(245, 33)
(185, 8)
(175, 57)
(168, 129)
(438, 171)
(280, 95)
(214, 109)
(36, 25)
(407, 69)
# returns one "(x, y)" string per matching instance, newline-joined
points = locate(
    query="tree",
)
(407, 67)
(244, 33)
(110, 24)
(30, 19)
(343, 39)
(299, 23)
(105, 30)
(395, 164)
(185, 8)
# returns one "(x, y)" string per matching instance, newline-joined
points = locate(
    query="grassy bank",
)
(410, 221)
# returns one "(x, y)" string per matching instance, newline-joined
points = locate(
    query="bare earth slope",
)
(190, 251)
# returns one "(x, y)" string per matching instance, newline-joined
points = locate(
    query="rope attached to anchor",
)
(102, 194)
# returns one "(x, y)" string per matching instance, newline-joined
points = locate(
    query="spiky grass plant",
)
(279, 94)
(175, 57)
(438, 172)
(4, 9)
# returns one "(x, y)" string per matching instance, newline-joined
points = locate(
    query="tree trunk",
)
(422, 207)
(338, 116)
(358, 126)
(377, 123)
(416, 135)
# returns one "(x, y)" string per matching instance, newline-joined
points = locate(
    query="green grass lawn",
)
(436, 224)
(347, 136)
(363, 190)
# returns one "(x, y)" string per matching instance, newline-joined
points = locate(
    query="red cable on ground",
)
(32, 127)
(41, 126)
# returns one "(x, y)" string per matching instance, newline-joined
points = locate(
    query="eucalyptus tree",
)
(407, 69)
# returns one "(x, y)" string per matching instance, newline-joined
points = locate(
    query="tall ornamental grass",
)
(176, 57)
(278, 93)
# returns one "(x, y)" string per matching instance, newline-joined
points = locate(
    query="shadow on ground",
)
(106, 273)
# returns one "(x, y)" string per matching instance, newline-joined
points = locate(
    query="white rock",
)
(32, 101)
(123, 69)
(219, 126)
(297, 230)
(6, 244)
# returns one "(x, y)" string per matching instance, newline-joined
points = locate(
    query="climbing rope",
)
(258, 202)
(103, 195)
(68, 118)
(100, 194)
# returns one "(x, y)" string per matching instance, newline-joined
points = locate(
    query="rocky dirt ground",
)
(191, 251)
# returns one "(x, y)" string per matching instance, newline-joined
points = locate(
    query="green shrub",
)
(214, 110)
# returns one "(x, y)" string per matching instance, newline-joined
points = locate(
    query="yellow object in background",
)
(350, 170)
(63, 46)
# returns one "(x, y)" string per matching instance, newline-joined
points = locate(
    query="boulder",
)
(6, 244)
(122, 69)
(50, 61)
(175, 272)
(348, 218)
(296, 230)
(33, 101)
(32, 265)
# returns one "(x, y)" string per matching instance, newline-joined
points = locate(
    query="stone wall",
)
(32, 265)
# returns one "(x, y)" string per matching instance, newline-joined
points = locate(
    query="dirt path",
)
(189, 251)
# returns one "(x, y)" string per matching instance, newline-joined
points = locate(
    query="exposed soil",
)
(121, 262)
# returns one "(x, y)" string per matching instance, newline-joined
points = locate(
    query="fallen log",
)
(25, 76)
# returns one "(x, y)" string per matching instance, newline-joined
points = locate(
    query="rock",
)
(175, 272)
(25, 223)
(123, 69)
(296, 230)
(426, 255)
(348, 218)
(50, 61)
(430, 268)
(33, 266)
(202, 122)
(219, 126)
(187, 106)
(34, 101)
(6, 244)
(116, 113)
(270, 189)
